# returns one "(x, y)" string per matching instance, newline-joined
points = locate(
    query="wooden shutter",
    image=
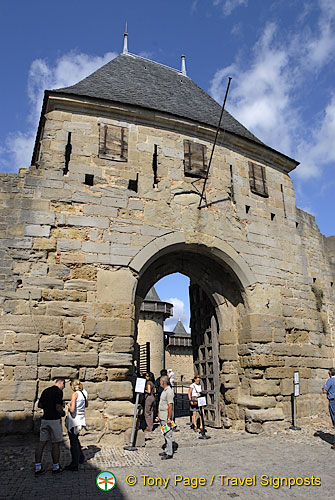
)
(113, 142)
(194, 159)
(257, 179)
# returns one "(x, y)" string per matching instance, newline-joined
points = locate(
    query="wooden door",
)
(204, 333)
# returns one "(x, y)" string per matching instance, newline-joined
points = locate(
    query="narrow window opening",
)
(331, 283)
(19, 284)
(296, 224)
(314, 280)
(232, 194)
(68, 151)
(273, 216)
(247, 208)
(89, 179)
(133, 184)
(283, 197)
(155, 165)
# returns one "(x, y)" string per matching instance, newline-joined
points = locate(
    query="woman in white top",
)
(75, 421)
(194, 393)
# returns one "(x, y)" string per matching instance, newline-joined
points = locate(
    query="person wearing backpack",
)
(75, 421)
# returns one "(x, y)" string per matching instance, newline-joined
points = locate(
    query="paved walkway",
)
(284, 454)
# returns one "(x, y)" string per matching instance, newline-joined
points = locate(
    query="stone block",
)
(45, 244)
(264, 387)
(118, 373)
(64, 372)
(58, 271)
(253, 427)
(115, 360)
(78, 359)
(107, 211)
(280, 372)
(228, 353)
(270, 414)
(88, 221)
(114, 202)
(95, 374)
(115, 391)
(73, 326)
(36, 230)
(116, 286)
(8, 372)
(94, 247)
(44, 373)
(260, 361)
(52, 343)
(37, 217)
(11, 406)
(17, 391)
(67, 244)
(257, 401)
(123, 344)
(59, 308)
(79, 284)
(105, 328)
(118, 424)
(23, 324)
(25, 342)
(25, 372)
(119, 409)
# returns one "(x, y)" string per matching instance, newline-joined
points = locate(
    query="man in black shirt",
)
(51, 401)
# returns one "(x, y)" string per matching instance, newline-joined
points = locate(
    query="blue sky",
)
(280, 54)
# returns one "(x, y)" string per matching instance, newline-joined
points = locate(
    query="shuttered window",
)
(113, 142)
(257, 179)
(194, 159)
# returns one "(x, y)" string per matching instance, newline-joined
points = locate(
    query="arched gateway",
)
(110, 205)
(217, 300)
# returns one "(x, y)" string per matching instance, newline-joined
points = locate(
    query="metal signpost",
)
(201, 403)
(139, 389)
(295, 394)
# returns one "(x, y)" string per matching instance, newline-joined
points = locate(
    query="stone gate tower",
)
(110, 205)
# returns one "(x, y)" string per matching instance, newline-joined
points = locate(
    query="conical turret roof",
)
(179, 329)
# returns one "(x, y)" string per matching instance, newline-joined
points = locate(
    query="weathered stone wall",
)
(72, 256)
(180, 360)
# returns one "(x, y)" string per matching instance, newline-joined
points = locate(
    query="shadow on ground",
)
(325, 436)
(18, 482)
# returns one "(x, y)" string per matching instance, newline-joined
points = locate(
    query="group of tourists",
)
(51, 402)
(158, 406)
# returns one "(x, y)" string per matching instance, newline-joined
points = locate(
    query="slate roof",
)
(134, 80)
(152, 295)
(179, 329)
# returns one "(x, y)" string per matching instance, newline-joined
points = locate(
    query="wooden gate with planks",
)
(204, 331)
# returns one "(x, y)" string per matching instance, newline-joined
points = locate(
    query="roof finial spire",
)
(125, 41)
(183, 65)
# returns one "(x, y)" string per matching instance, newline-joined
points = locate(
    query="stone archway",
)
(221, 274)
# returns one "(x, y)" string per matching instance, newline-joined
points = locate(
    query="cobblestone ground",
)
(279, 453)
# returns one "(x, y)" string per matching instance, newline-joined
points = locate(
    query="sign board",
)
(140, 385)
(296, 389)
(202, 401)
(296, 377)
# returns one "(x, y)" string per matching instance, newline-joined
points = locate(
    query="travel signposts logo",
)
(105, 480)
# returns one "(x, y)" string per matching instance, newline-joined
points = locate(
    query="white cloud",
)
(321, 46)
(264, 94)
(319, 149)
(229, 5)
(67, 70)
(178, 313)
